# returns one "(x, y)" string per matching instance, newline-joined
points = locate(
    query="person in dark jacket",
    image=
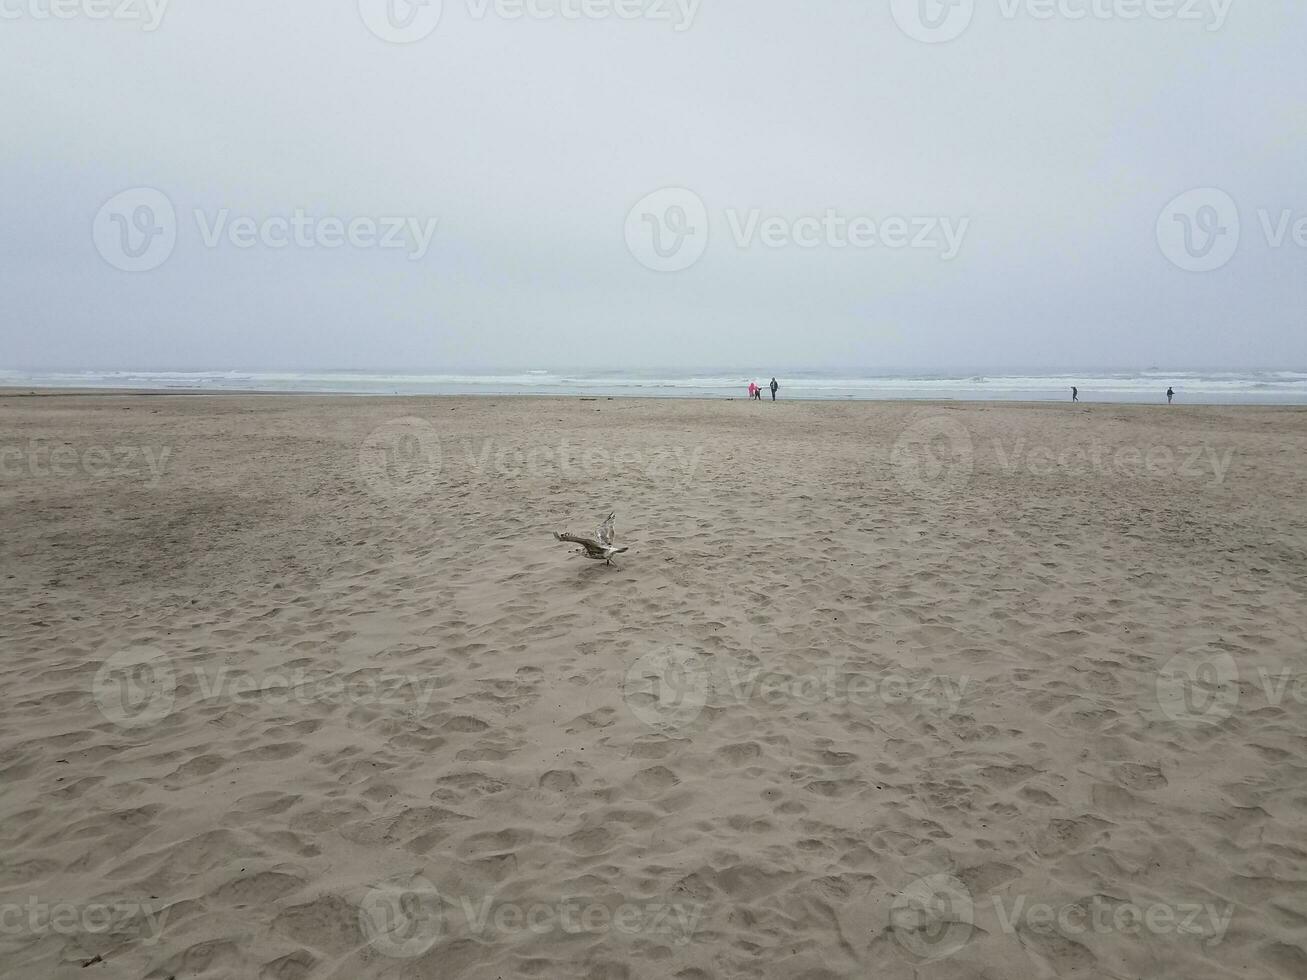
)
(774, 387)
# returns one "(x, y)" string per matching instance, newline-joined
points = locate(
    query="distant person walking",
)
(752, 388)
(1075, 394)
(774, 388)
(1170, 394)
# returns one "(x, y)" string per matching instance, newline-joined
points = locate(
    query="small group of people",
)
(1075, 394)
(755, 392)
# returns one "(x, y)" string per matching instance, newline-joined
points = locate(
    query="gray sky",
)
(1049, 146)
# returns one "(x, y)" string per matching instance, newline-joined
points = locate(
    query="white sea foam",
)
(1210, 387)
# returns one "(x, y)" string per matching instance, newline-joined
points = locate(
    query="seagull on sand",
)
(600, 550)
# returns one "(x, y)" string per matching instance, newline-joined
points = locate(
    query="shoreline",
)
(227, 393)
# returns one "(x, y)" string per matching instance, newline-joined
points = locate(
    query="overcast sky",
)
(1001, 197)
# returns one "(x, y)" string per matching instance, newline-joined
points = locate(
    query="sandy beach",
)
(304, 687)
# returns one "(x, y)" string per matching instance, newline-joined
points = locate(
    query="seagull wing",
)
(606, 530)
(592, 548)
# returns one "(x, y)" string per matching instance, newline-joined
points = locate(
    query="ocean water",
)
(1141, 387)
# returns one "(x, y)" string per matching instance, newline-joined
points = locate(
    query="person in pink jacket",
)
(752, 388)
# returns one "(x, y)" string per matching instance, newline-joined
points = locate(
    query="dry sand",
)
(880, 690)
